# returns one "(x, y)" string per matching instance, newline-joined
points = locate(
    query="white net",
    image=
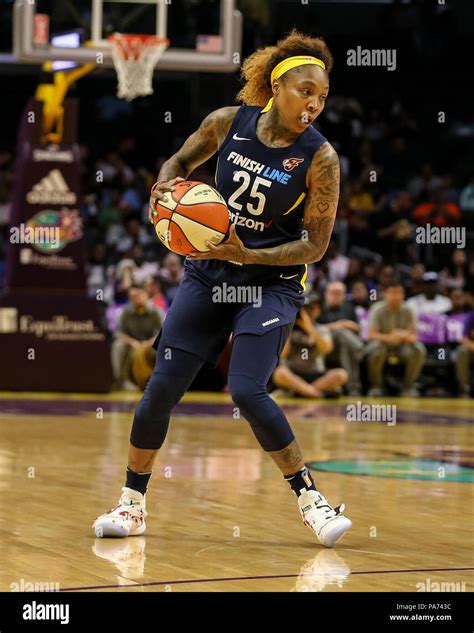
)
(135, 57)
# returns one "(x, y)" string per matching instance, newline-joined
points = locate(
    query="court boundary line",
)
(425, 417)
(272, 577)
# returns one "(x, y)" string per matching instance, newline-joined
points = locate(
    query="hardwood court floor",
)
(220, 516)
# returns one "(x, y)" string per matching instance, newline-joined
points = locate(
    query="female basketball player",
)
(280, 178)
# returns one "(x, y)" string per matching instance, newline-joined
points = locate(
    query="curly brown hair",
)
(257, 69)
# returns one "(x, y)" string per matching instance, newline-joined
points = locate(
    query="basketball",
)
(191, 215)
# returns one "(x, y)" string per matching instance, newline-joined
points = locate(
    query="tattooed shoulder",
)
(206, 140)
(224, 119)
(218, 122)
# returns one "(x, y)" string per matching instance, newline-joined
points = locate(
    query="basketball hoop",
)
(135, 57)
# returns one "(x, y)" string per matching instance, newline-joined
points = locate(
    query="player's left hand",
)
(231, 250)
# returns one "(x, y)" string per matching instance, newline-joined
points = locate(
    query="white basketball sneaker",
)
(326, 522)
(126, 519)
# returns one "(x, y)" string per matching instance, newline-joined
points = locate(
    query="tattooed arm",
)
(201, 145)
(319, 216)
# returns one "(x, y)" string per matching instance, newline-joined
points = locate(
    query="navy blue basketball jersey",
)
(265, 190)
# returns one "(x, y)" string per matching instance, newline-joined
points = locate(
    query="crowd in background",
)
(398, 174)
(385, 197)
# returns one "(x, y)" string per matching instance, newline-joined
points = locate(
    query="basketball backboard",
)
(205, 35)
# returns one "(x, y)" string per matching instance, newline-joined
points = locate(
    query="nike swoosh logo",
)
(290, 277)
(240, 138)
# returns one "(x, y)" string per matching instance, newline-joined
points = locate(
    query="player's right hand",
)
(157, 193)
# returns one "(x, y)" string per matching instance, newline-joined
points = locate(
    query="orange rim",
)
(139, 41)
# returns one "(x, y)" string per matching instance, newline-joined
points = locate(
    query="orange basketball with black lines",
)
(191, 215)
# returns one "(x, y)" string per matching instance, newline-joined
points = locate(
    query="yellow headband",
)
(288, 64)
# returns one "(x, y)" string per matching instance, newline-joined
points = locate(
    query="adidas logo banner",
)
(52, 189)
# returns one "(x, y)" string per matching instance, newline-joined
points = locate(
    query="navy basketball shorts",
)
(204, 314)
(196, 329)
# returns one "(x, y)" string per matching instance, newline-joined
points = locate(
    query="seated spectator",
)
(354, 272)
(359, 295)
(358, 205)
(369, 275)
(319, 277)
(155, 295)
(302, 369)
(460, 302)
(123, 280)
(99, 285)
(393, 338)
(143, 269)
(113, 168)
(316, 277)
(393, 229)
(360, 199)
(171, 274)
(132, 349)
(422, 186)
(464, 358)
(451, 194)
(386, 274)
(416, 284)
(337, 264)
(455, 274)
(110, 212)
(130, 200)
(430, 301)
(359, 230)
(132, 233)
(341, 320)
